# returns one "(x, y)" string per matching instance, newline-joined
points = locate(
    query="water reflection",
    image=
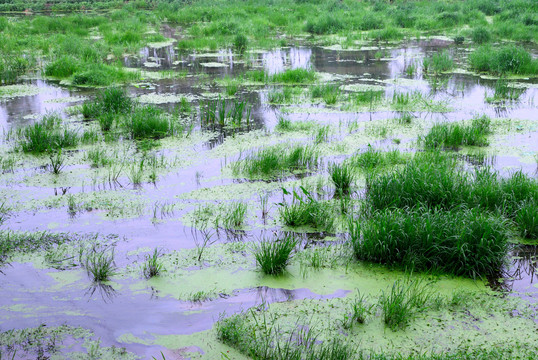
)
(278, 60)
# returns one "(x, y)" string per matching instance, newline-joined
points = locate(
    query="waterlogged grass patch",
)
(440, 330)
(58, 342)
(12, 91)
(164, 98)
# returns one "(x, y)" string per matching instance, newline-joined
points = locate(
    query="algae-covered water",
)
(47, 293)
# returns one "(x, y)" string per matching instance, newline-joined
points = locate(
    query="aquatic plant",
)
(293, 76)
(459, 241)
(152, 266)
(234, 216)
(369, 97)
(403, 300)
(272, 255)
(508, 59)
(480, 35)
(526, 217)
(342, 177)
(240, 43)
(98, 157)
(99, 264)
(328, 92)
(452, 135)
(62, 67)
(304, 210)
(438, 62)
(325, 24)
(276, 160)
(57, 161)
(374, 159)
(321, 134)
(360, 309)
(146, 122)
(504, 92)
(281, 96)
(46, 135)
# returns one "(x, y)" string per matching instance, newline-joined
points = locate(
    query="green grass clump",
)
(282, 96)
(438, 62)
(480, 35)
(436, 180)
(304, 210)
(46, 135)
(458, 241)
(272, 256)
(526, 217)
(152, 267)
(294, 76)
(342, 177)
(234, 216)
(451, 135)
(62, 67)
(327, 24)
(508, 59)
(99, 264)
(13, 65)
(108, 102)
(277, 160)
(403, 300)
(373, 159)
(147, 122)
(329, 93)
(102, 75)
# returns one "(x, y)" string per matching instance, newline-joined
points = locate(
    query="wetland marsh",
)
(294, 180)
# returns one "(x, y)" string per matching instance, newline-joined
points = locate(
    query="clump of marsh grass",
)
(152, 266)
(402, 301)
(321, 134)
(374, 159)
(455, 135)
(463, 242)
(276, 160)
(328, 92)
(342, 177)
(304, 210)
(508, 59)
(147, 122)
(438, 63)
(99, 264)
(273, 255)
(234, 216)
(293, 76)
(527, 219)
(360, 309)
(46, 135)
(57, 161)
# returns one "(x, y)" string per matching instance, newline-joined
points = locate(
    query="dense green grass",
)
(342, 177)
(458, 241)
(454, 135)
(435, 180)
(272, 255)
(99, 264)
(277, 160)
(46, 135)
(507, 59)
(304, 210)
(147, 122)
(328, 92)
(438, 63)
(373, 159)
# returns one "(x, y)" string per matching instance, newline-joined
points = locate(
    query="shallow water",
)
(36, 296)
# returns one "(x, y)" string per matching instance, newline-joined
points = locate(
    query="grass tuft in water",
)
(99, 264)
(304, 210)
(403, 300)
(273, 255)
(152, 267)
(450, 135)
(438, 63)
(46, 135)
(342, 177)
(276, 160)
